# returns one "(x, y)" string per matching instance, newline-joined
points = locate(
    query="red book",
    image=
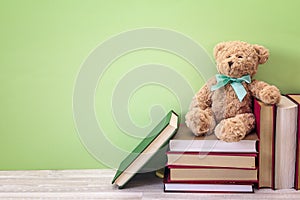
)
(296, 99)
(265, 116)
(212, 159)
(210, 174)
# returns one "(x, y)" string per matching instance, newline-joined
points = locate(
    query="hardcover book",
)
(200, 186)
(146, 149)
(212, 159)
(212, 174)
(285, 143)
(265, 128)
(296, 99)
(186, 141)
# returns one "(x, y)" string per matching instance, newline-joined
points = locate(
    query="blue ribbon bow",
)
(236, 84)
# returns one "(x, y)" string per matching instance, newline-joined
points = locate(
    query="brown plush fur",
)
(220, 111)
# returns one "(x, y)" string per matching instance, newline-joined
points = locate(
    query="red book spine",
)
(168, 180)
(257, 109)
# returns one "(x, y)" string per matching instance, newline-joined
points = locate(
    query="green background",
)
(44, 43)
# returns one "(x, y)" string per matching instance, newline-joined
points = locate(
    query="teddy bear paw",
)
(230, 130)
(270, 95)
(200, 121)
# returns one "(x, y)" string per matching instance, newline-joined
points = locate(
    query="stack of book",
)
(206, 164)
(266, 158)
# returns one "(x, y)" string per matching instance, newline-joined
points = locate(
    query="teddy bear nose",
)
(230, 63)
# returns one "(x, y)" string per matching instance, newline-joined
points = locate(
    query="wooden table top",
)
(96, 184)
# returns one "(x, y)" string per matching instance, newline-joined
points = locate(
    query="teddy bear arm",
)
(256, 86)
(268, 94)
(200, 117)
(202, 99)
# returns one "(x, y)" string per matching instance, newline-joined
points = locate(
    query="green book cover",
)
(145, 143)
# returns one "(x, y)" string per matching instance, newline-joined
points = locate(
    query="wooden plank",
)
(96, 184)
(71, 195)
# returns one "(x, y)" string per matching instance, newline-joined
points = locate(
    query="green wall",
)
(44, 43)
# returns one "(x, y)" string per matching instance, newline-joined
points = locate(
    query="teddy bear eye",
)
(240, 56)
(228, 56)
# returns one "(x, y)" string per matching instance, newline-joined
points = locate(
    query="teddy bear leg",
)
(236, 128)
(200, 121)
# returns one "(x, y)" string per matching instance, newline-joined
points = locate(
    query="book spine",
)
(206, 167)
(274, 110)
(259, 120)
(241, 182)
(273, 148)
(213, 182)
(257, 109)
(198, 191)
(296, 185)
(214, 153)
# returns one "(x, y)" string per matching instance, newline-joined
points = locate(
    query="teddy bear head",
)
(236, 58)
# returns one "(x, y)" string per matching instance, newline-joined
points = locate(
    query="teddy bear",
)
(223, 106)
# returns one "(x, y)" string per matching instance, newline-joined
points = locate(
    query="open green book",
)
(146, 149)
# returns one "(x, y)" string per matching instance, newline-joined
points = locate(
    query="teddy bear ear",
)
(218, 48)
(262, 52)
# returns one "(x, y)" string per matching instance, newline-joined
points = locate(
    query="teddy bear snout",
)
(230, 63)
